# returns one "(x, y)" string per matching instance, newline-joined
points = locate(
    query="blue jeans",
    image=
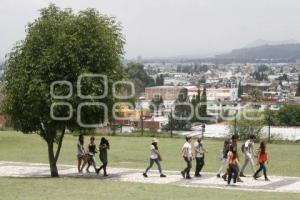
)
(233, 169)
(152, 161)
(262, 166)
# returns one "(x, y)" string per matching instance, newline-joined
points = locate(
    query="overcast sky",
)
(164, 28)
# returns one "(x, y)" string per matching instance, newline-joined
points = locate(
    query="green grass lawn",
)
(128, 152)
(73, 189)
(134, 152)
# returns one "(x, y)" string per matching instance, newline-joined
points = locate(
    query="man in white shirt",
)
(248, 152)
(188, 157)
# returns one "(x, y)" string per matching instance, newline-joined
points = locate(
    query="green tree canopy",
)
(255, 95)
(203, 106)
(182, 111)
(253, 123)
(139, 77)
(61, 46)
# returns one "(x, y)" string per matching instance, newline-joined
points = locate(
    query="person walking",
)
(262, 159)
(91, 155)
(233, 165)
(199, 155)
(81, 157)
(234, 143)
(248, 151)
(155, 157)
(188, 157)
(223, 157)
(103, 148)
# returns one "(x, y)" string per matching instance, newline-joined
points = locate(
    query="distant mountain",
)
(261, 42)
(288, 52)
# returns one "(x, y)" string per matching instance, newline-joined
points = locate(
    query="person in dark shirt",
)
(103, 148)
(91, 155)
(223, 157)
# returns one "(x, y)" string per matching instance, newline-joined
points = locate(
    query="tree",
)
(139, 77)
(182, 111)
(240, 89)
(203, 106)
(289, 115)
(60, 46)
(245, 126)
(298, 87)
(160, 80)
(255, 95)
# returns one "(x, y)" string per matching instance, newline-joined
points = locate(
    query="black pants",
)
(152, 161)
(104, 165)
(188, 166)
(233, 169)
(199, 165)
(262, 166)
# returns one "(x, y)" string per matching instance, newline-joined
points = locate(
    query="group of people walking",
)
(229, 158)
(87, 157)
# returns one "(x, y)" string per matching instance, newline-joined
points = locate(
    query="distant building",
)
(170, 93)
(262, 86)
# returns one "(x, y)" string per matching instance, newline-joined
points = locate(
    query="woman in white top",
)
(188, 157)
(154, 158)
(80, 154)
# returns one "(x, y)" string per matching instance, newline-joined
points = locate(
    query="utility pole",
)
(269, 124)
(235, 124)
(142, 122)
(171, 123)
(203, 130)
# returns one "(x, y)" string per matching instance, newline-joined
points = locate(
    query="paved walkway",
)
(208, 180)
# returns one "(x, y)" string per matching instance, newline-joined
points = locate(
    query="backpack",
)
(243, 148)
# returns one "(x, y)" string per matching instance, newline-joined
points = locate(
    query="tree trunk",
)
(52, 161)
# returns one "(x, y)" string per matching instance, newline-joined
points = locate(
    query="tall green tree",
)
(240, 89)
(182, 111)
(298, 87)
(61, 46)
(160, 80)
(203, 104)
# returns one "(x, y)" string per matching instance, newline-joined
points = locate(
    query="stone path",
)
(208, 180)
